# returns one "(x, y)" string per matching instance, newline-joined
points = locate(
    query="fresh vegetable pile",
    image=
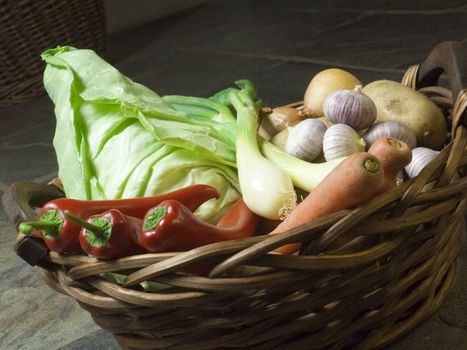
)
(144, 173)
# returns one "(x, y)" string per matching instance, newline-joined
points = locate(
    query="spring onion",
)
(267, 189)
(304, 175)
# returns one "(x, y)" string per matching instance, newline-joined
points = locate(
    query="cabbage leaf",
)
(116, 138)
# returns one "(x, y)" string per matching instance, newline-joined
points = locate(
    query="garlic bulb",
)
(340, 140)
(391, 128)
(421, 156)
(305, 140)
(351, 107)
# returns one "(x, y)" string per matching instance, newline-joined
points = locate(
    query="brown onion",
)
(282, 117)
(323, 84)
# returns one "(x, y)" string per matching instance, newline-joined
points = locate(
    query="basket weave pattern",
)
(29, 27)
(366, 277)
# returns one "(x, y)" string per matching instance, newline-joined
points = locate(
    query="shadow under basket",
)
(365, 276)
(29, 27)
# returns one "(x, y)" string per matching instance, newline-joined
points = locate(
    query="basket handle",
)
(19, 201)
(449, 57)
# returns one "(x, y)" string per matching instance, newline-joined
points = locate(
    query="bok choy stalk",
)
(245, 85)
(202, 111)
(198, 106)
(214, 111)
(267, 189)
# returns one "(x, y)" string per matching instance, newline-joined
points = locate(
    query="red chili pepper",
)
(170, 226)
(241, 217)
(108, 235)
(61, 234)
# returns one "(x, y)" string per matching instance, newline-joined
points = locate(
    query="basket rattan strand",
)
(29, 27)
(367, 276)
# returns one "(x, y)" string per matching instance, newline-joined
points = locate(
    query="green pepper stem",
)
(153, 218)
(87, 225)
(27, 226)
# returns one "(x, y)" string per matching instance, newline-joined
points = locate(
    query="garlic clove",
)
(340, 140)
(421, 157)
(391, 128)
(305, 139)
(350, 107)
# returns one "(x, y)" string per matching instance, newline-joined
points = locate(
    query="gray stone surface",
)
(279, 45)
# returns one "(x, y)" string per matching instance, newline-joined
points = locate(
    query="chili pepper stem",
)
(153, 218)
(87, 225)
(27, 226)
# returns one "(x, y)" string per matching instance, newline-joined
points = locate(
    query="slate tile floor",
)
(279, 45)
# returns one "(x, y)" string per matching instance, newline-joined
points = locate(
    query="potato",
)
(395, 101)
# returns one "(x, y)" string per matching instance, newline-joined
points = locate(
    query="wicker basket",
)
(366, 277)
(29, 27)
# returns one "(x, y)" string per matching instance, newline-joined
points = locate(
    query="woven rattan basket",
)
(366, 277)
(29, 27)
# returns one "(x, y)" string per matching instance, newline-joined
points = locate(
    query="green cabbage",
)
(115, 138)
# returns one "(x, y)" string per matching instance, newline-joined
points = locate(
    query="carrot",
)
(355, 180)
(393, 155)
